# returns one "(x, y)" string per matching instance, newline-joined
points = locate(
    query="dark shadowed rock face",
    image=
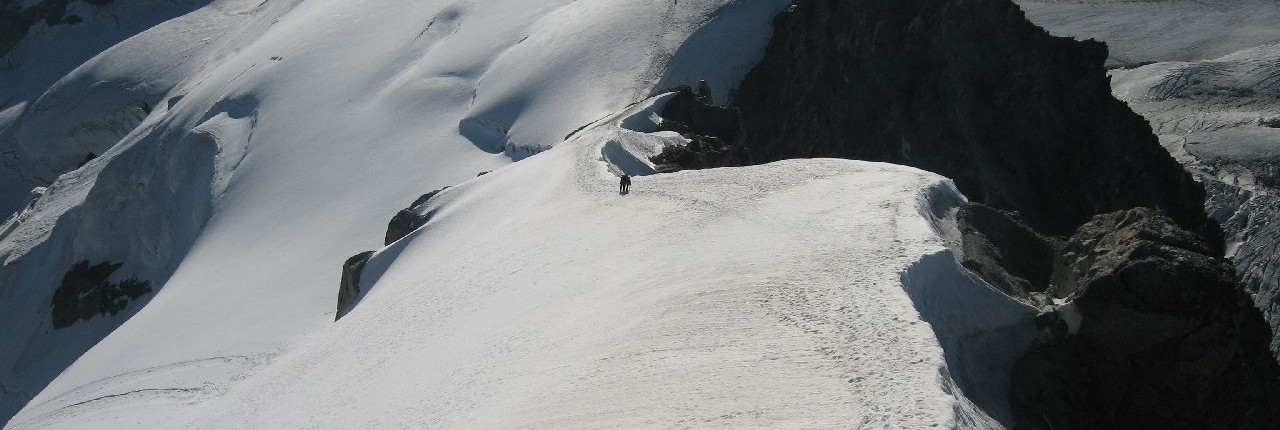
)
(715, 133)
(969, 89)
(408, 220)
(85, 293)
(349, 286)
(403, 223)
(693, 113)
(1005, 252)
(1168, 337)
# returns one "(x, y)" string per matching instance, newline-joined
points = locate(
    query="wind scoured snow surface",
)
(797, 294)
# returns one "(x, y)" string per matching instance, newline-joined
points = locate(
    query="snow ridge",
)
(803, 293)
(265, 142)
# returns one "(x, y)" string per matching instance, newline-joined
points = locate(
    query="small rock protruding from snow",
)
(408, 219)
(349, 288)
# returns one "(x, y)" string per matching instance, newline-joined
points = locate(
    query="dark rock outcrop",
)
(408, 220)
(1005, 252)
(715, 133)
(405, 222)
(349, 286)
(85, 293)
(690, 112)
(702, 152)
(969, 89)
(1167, 338)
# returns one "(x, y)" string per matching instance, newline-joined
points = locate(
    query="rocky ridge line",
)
(1019, 119)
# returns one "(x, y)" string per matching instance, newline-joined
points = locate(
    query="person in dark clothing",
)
(624, 185)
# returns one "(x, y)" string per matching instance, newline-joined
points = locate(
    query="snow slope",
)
(798, 294)
(283, 136)
(59, 102)
(277, 140)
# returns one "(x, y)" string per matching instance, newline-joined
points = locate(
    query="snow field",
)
(1144, 32)
(282, 137)
(798, 294)
(758, 297)
(72, 89)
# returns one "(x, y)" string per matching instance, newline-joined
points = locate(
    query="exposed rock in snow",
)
(715, 133)
(349, 287)
(694, 114)
(86, 292)
(1005, 251)
(408, 220)
(1166, 338)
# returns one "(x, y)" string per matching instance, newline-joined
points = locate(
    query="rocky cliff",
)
(970, 89)
(1166, 337)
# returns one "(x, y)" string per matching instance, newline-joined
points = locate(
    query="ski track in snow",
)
(146, 387)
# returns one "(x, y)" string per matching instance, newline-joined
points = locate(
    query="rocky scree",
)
(349, 285)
